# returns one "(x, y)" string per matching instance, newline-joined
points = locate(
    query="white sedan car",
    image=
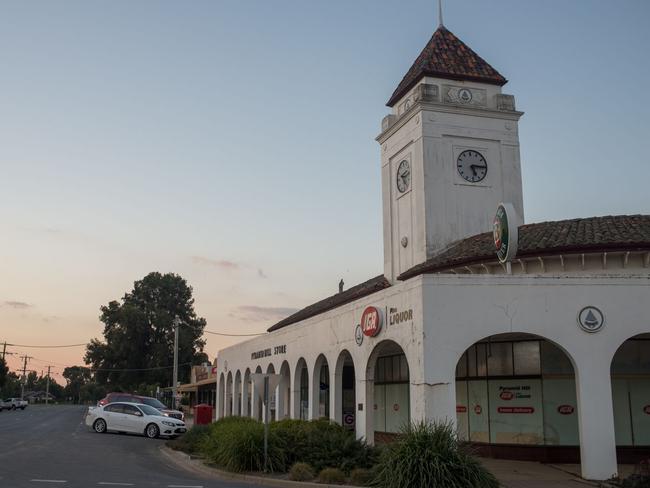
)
(133, 417)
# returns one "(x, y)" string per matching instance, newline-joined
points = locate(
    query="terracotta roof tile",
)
(594, 234)
(446, 56)
(356, 292)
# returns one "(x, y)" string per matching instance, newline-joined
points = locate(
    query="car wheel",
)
(152, 431)
(99, 426)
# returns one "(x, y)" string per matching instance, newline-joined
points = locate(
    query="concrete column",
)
(314, 394)
(596, 418)
(364, 420)
(295, 402)
(255, 404)
(336, 396)
(242, 399)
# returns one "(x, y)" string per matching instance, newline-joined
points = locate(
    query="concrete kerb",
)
(185, 461)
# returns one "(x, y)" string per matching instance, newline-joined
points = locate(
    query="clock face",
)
(472, 166)
(403, 176)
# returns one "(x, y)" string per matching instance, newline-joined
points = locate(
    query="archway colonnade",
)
(373, 396)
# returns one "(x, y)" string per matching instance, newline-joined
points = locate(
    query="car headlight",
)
(171, 424)
(165, 414)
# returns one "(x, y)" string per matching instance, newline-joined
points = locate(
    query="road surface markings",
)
(111, 483)
(184, 486)
(49, 481)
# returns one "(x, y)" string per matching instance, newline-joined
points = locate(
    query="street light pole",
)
(177, 323)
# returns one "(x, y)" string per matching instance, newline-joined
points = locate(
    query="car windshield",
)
(148, 410)
(152, 402)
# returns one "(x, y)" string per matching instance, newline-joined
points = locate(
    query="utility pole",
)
(177, 323)
(22, 389)
(47, 386)
(4, 350)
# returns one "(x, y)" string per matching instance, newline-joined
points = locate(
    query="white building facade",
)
(545, 355)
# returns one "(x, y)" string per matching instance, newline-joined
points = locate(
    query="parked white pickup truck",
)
(13, 404)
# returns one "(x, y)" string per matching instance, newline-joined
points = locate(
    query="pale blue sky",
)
(233, 141)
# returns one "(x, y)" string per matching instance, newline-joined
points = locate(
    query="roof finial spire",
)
(440, 23)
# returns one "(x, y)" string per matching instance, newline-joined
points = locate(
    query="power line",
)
(48, 346)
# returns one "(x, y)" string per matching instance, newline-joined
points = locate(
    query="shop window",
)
(324, 393)
(461, 367)
(471, 362)
(526, 358)
(391, 409)
(481, 360)
(499, 359)
(304, 394)
(554, 360)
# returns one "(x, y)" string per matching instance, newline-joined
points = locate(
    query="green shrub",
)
(331, 476)
(301, 472)
(323, 444)
(191, 441)
(429, 454)
(237, 444)
(361, 477)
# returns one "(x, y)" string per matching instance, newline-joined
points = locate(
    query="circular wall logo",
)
(505, 232)
(591, 319)
(371, 321)
(646, 409)
(358, 335)
(477, 409)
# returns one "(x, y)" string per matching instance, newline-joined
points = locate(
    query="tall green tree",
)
(76, 378)
(139, 335)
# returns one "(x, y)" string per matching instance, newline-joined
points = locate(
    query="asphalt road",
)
(51, 446)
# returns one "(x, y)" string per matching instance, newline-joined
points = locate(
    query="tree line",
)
(137, 349)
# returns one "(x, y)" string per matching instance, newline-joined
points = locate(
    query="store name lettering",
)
(396, 317)
(269, 352)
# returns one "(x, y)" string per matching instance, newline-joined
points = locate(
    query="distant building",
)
(539, 352)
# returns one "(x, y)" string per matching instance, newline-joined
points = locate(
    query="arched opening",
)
(229, 394)
(257, 401)
(247, 394)
(321, 388)
(222, 396)
(516, 398)
(388, 388)
(284, 392)
(272, 396)
(237, 395)
(301, 390)
(345, 397)
(630, 374)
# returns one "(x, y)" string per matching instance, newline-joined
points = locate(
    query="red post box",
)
(202, 414)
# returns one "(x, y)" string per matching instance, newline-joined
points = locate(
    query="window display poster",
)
(462, 423)
(379, 408)
(477, 403)
(397, 406)
(516, 411)
(560, 412)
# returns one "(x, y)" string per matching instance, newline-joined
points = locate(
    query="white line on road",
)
(184, 486)
(110, 483)
(49, 481)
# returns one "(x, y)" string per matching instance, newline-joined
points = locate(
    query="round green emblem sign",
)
(505, 232)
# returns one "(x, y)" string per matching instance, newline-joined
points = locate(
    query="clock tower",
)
(449, 153)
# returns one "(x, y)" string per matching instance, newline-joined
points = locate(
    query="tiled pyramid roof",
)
(446, 56)
(594, 234)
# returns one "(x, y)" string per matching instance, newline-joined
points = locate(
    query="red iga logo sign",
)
(371, 321)
(565, 409)
(461, 409)
(478, 409)
(646, 409)
(516, 410)
(506, 395)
